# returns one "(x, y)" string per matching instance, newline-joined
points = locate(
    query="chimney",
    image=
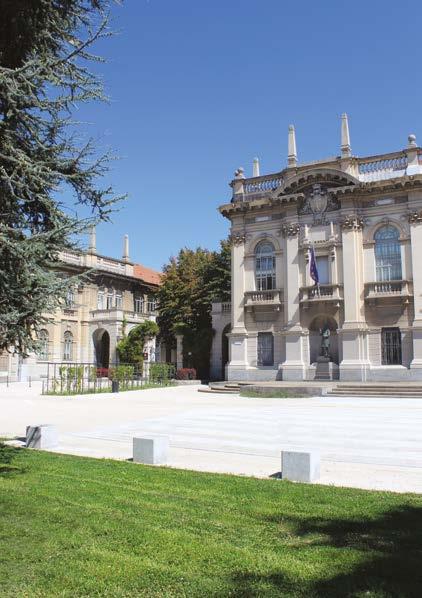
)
(126, 248)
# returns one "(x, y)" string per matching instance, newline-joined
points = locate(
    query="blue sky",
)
(199, 87)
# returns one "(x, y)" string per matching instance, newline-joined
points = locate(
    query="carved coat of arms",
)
(317, 202)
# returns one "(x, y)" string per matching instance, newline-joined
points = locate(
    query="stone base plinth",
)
(151, 450)
(300, 466)
(43, 436)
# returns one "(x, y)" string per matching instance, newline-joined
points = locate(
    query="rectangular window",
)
(323, 269)
(151, 304)
(119, 301)
(391, 346)
(139, 305)
(110, 298)
(265, 348)
(100, 300)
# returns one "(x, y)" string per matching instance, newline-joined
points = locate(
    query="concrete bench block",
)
(300, 466)
(152, 450)
(41, 437)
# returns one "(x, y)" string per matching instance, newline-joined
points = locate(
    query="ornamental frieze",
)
(352, 222)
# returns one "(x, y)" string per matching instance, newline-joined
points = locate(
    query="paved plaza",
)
(364, 442)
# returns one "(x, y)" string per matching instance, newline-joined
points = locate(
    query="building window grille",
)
(68, 346)
(100, 300)
(139, 305)
(265, 348)
(43, 344)
(110, 298)
(391, 346)
(265, 266)
(387, 254)
(119, 301)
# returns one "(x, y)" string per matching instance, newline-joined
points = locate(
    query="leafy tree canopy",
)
(45, 51)
(131, 347)
(190, 282)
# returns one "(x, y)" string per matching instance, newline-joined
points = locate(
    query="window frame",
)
(387, 255)
(268, 360)
(68, 346)
(391, 355)
(265, 267)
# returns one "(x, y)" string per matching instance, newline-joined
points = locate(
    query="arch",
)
(265, 275)
(318, 323)
(224, 350)
(337, 178)
(387, 253)
(264, 237)
(101, 340)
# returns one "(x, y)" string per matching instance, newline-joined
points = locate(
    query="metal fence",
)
(72, 378)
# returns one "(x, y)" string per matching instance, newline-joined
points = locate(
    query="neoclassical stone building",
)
(117, 294)
(362, 217)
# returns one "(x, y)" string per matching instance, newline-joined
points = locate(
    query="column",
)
(293, 368)
(415, 220)
(179, 351)
(236, 368)
(355, 362)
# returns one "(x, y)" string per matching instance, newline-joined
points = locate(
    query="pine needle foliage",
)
(45, 53)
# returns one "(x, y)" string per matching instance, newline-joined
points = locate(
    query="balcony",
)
(388, 290)
(257, 299)
(323, 293)
(116, 314)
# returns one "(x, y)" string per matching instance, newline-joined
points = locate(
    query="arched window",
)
(265, 266)
(387, 254)
(68, 346)
(43, 344)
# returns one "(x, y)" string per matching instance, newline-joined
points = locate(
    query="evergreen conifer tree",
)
(45, 51)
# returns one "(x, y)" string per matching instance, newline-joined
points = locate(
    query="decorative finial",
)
(412, 140)
(126, 248)
(92, 240)
(291, 149)
(239, 173)
(346, 150)
(255, 168)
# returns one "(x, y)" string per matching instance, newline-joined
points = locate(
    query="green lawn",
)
(272, 394)
(82, 527)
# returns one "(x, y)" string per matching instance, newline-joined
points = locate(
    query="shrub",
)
(186, 374)
(161, 372)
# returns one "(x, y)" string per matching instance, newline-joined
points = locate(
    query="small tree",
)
(131, 347)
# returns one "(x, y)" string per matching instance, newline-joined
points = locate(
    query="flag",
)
(313, 270)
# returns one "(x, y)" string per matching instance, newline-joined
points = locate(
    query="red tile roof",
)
(146, 274)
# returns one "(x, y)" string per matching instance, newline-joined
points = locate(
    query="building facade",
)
(361, 218)
(116, 295)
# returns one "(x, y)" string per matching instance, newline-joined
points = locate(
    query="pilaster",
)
(415, 221)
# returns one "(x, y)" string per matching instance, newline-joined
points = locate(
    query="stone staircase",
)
(223, 388)
(391, 390)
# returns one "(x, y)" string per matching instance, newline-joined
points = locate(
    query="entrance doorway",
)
(101, 340)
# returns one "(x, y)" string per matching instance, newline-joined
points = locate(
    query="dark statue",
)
(325, 342)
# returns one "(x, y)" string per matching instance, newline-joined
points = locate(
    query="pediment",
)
(328, 177)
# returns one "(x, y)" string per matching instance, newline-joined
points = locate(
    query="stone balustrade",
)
(388, 288)
(226, 307)
(120, 314)
(322, 292)
(377, 169)
(262, 184)
(274, 296)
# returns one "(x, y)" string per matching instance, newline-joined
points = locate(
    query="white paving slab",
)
(369, 443)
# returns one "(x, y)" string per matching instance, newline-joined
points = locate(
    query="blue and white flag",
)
(313, 269)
